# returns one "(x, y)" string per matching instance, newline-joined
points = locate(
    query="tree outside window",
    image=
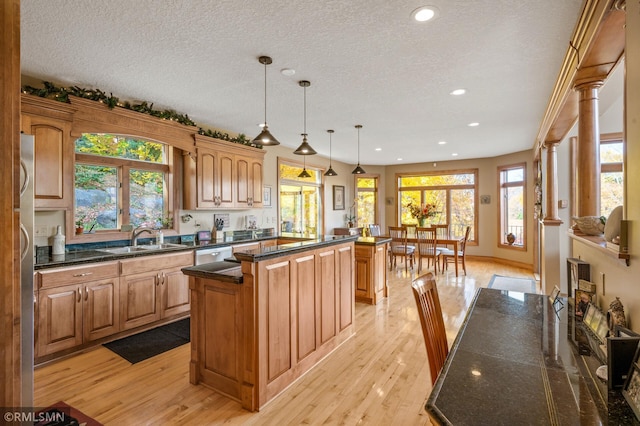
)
(119, 181)
(611, 176)
(367, 200)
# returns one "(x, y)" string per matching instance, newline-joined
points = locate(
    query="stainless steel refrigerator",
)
(26, 267)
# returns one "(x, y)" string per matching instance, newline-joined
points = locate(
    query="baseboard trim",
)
(527, 266)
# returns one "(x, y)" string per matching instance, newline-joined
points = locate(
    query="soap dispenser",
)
(58, 242)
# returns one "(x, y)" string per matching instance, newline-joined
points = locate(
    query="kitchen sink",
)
(161, 246)
(121, 250)
(135, 249)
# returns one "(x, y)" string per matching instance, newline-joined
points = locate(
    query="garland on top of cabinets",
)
(61, 94)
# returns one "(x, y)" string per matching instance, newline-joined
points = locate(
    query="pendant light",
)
(265, 138)
(330, 172)
(305, 148)
(304, 173)
(358, 170)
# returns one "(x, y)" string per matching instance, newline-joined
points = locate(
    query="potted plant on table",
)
(422, 212)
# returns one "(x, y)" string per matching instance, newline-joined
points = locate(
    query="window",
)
(120, 180)
(367, 200)
(512, 205)
(300, 199)
(611, 176)
(454, 194)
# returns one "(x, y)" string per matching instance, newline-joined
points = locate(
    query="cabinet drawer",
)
(154, 263)
(76, 274)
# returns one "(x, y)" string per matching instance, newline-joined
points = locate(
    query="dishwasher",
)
(215, 254)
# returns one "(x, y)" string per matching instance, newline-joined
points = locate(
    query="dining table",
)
(520, 359)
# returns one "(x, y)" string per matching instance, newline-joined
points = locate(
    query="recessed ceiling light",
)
(442, 143)
(473, 124)
(399, 159)
(455, 154)
(458, 92)
(287, 71)
(378, 149)
(425, 13)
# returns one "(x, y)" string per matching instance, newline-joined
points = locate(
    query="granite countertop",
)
(266, 253)
(372, 241)
(222, 271)
(91, 253)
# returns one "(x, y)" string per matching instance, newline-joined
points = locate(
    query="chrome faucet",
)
(136, 233)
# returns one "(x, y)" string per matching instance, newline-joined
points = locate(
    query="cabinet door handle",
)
(84, 274)
(158, 279)
(86, 294)
(79, 295)
(163, 278)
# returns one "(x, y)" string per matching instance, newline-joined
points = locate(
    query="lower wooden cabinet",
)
(153, 288)
(371, 273)
(81, 304)
(71, 315)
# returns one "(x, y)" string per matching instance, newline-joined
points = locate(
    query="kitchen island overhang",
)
(295, 304)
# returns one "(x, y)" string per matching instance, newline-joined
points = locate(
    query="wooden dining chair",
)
(399, 247)
(427, 248)
(448, 255)
(442, 233)
(425, 292)
(411, 229)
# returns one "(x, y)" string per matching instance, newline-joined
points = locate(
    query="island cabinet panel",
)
(371, 273)
(278, 316)
(251, 340)
(346, 287)
(305, 306)
(328, 295)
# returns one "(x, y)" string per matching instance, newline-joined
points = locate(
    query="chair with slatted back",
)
(374, 230)
(442, 233)
(411, 229)
(425, 292)
(427, 248)
(399, 247)
(448, 255)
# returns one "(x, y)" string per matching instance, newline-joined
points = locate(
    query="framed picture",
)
(582, 300)
(266, 197)
(631, 389)
(338, 197)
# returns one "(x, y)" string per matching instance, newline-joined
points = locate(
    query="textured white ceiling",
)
(367, 61)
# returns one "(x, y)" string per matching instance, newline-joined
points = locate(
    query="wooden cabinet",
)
(252, 340)
(249, 182)
(371, 273)
(227, 175)
(153, 288)
(76, 305)
(246, 246)
(50, 124)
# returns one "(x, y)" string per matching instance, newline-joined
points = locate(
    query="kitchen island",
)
(258, 326)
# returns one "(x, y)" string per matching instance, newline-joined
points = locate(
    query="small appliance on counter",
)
(251, 222)
(204, 237)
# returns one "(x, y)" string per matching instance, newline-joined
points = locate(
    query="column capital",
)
(589, 84)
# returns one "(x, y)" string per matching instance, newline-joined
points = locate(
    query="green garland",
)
(61, 94)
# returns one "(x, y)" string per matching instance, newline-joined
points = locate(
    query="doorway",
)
(299, 209)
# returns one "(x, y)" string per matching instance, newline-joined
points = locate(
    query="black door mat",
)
(150, 343)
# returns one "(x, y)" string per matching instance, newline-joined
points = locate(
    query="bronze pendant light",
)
(305, 148)
(358, 170)
(304, 173)
(330, 172)
(265, 138)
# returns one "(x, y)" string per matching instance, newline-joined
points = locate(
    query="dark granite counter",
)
(222, 271)
(516, 361)
(78, 254)
(372, 241)
(266, 253)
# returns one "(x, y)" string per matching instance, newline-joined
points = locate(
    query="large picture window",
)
(453, 193)
(120, 181)
(512, 205)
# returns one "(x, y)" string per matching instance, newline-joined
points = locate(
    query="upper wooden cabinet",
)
(50, 124)
(226, 176)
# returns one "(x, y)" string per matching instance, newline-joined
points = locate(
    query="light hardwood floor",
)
(378, 377)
